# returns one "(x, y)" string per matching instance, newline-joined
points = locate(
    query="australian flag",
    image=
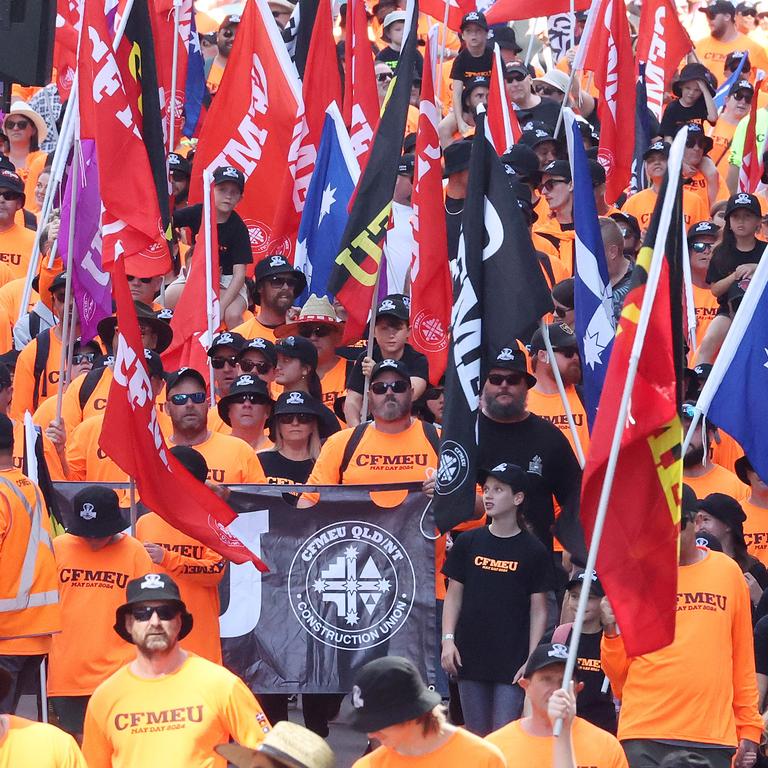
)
(194, 89)
(595, 324)
(325, 215)
(734, 394)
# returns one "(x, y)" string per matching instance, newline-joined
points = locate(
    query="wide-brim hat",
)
(243, 384)
(689, 72)
(554, 78)
(288, 744)
(316, 311)
(96, 513)
(22, 108)
(296, 401)
(106, 327)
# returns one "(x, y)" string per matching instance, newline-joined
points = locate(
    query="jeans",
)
(648, 753)
(488, 706)
(25, 675)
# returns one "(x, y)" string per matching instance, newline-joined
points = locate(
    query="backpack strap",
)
(34, 324)
(87, 388)
(351, 447)
(432, 435)
(41, 358)
(546, 262)
(562, 633)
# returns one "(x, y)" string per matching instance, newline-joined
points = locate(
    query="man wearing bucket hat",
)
(167, 706)
(394, 707)
(94, 562)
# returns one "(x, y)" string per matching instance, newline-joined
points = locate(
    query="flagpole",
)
(132, 493)
(690, 305)
(531, 40)
(209, 297)
(441, 53)
(369, 345)
(172, 105)
(561, 389)
(654, 274)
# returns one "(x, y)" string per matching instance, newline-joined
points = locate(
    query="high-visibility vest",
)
(29, 596)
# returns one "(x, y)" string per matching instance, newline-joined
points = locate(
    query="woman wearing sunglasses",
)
(737, 106)
(246, 408)
(258, 357)
(25, 130)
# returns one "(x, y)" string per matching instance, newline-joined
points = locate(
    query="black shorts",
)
(70, 710)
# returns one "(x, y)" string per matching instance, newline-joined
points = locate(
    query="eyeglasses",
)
(321, 331)
(219, 362)
(133, 278)
(181, 399)
(741, 96)
(21, 123)
(398, 387)
(702, 247)
(550, 184)
(515, 77)
(6, 194)
(86, 357)
(277, 280)
(384, 77)
(545, 90)
(248, 365)
(251, 397)
(567, 352)
(289, 418)
(561, 311)
(513, 379)
(164, 612)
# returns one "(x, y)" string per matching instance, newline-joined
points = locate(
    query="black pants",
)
(648, 753)
(25, 675)
(318, 709)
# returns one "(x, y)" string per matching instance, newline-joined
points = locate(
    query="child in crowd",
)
(474, 60)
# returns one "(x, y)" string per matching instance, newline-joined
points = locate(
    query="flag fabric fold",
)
(194, 84)
(456, 9)
(516, 10)
(751, 160)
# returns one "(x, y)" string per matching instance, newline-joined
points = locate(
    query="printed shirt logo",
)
(88, 512)
(277, 261)
(535, 465)
(357, 697)
(245, 379)
(386, 306)
(352, 585)
(153, 581)
(558, 651)
(295, 398)
(453, 468)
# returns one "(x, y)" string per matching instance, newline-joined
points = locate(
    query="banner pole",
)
(172, 104)
(531, 41)
(132, 494)
(209, 297)
(561, 390)
(369, 345)
(441, 52)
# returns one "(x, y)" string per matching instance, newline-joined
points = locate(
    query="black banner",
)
(349, 581)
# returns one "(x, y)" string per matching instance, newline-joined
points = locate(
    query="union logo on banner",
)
(429, 333)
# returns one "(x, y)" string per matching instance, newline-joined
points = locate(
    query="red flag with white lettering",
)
(320, 88)
(65, 44)
(251, 124)
(361, 97)
(457, 9)
(751, 168)
(431, 287)
(501, 126)
(509, 10)
(661, 43)
(125, 177)
(609, 55)
(131, 437)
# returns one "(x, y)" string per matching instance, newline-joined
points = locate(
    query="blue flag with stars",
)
(325, 214)
(593, 302)
(734, 396)
(194, 88)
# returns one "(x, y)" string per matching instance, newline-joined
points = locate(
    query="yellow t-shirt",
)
(175, 720)
(28, 743)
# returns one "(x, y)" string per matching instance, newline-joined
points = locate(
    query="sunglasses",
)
(695, 142)
(86, 357)
(702, 247)
(21, 124)
(302, 418)
(219, 362)
(251, 397)
(384, 77)
(321, 331)
(550, 184)
(398, 387)
(60, 296)
(513, 379)
(181, 399)
(515, 77)
(249, 365)
(164, 612)
(8, 195)
(277, 280)
(741, 96)
(544, 90)
(561, 311)
(433, 393)
(567, 352)
(133, 279)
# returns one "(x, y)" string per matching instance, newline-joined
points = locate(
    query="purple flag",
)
(91, 285)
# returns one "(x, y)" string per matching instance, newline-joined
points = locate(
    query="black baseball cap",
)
(229, 173)
(742, 85)
(742, 201)
(558, 168)
(176, 377)
(96, 513)
(265, 346)
(512, 359)
(396, 366)
(406, 164)
(596, 173)
(535, 136)
(545, 655)
(560, 335)
(152, 586)
(662, 147)
(60, 281)
(578, 579)
(746, 9)
(277, 264)
(397, 305)
(525, 162)
(508, 473)
(733, 59)
(628, 219)
(516, 66)
(227, 339)
(12, 181)
(689, 504)
(154, 364)
(246, 383)
(701, 228)
(479, 81)
(179, 164)
(696, 132)
(298, 348)
(719, 6)
(389, 691)
(474, 17)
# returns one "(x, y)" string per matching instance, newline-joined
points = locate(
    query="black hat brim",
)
(187, 621)
(370, 720)
(741, 466)
(223, 405)
(98, 530)
(106, 330)
(297, 273)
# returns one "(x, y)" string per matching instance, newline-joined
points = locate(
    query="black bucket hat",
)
(695, 71)
(144, 313)
(152, 586)
(244, 384)
(276, 264)
(302, 402)
(96, 513)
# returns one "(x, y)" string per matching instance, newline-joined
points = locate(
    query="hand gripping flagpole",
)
(659, 247)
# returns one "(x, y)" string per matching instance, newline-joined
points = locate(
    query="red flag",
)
(751, 161)
(609, 55)
(637, 559)
(431, 287)
(131, 437)
(361, 97)
(190, 318)
(509, 10)
(661, 43)
(125, 178)
(251, 123)
(321, 87)
(65, 45)
(501, 124)
(456, 10)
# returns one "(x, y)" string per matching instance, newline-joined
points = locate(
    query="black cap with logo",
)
(226, 173)
(96, 513)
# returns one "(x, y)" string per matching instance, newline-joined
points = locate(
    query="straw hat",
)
(287, 744)
(315, 310)
(22, 108)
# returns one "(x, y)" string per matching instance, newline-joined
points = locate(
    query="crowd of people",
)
(121, 626)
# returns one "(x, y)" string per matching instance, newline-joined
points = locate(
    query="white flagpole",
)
(209, 276)
(172, 104)
(441, 53)
(674, 166)
(561, 390)
(134, 513)
(690, 306)
(531, 40)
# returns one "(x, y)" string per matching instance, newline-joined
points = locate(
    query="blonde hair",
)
(313, 444)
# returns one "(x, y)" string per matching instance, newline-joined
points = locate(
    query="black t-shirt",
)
(542, 451)
(676, 116)
(761, 646)
(499, 576)
(390, 57)
(466, 66)
(234, 241)
(282, 471)
(725, 260)
(453, 215)
(416, 363)
(546, 112)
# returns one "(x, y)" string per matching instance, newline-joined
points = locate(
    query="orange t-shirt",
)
(38, 744)
(253, 329)
(216, 423)
(16, 248)
(714, 700)
(463, 748)
(722, 136)
(10, 297)
(24, 378)
(50, 454)
(71, 411)
(592, 746)
(197, 570)
(86, 461)
(550, 407)
(713, 53)
(174, 720)
(230, 460)
(642, 204)
(726, 452)
(334, 383)
(92, 586)
(698, 185)
(717, 479)
(705, 303)
(215, 74)
(756, 530)
(6, 331)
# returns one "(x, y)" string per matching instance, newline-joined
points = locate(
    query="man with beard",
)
(225, 39)
(167, 707)
(699, 471)
(510, 433)
(278, 285)
(543, 398)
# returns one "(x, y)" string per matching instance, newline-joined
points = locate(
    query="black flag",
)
(499, 294)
